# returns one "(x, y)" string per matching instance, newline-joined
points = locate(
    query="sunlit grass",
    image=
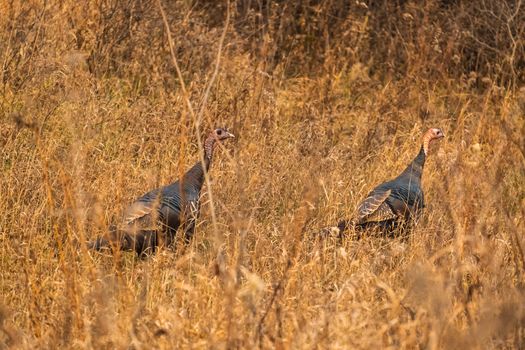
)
(78, 147)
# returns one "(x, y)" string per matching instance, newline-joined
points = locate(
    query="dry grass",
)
(93, 115)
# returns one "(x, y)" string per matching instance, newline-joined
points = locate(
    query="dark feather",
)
(154, 218)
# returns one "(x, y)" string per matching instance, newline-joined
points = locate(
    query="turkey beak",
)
(231, 135)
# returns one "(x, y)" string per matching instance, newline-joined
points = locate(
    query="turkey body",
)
(155, 217)
(394, 202)
(400, 199)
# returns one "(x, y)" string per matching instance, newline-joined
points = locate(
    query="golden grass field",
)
(93, 114)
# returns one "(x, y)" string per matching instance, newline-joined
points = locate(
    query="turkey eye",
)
(219, 132)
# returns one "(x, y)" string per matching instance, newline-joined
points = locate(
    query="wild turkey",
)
(397, 201)
(154, 218)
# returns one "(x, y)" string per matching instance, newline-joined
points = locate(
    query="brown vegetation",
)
(327, 99)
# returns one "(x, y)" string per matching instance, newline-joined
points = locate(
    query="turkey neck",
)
(195, 176)
(416, 167)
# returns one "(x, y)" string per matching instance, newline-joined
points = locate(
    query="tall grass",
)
(326, 100)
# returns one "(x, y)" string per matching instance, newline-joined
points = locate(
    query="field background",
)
(326, 99)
